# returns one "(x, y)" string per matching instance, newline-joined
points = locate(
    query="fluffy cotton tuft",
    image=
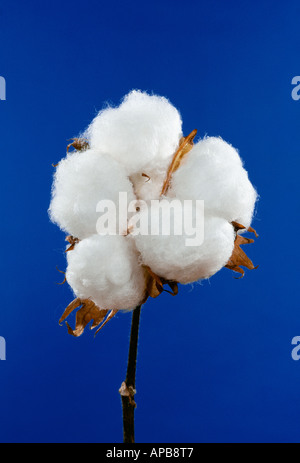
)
(170, 258)
(213, 172)
(82, 180)
(143, 131)
(148, 185)
(105, 269)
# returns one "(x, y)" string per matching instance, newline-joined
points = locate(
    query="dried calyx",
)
(88, 311)
(185, 146)
(79, 144)
(239, 258)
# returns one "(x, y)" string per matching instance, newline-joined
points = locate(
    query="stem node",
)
(127, 390)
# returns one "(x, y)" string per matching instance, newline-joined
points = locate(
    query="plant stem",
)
(127, 390)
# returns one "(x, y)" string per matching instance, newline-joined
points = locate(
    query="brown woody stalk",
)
(127, 389)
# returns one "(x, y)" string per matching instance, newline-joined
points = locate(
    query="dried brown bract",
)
(239, 258)
(185, 146)
(65, 279)
(79, 144)
(155, 284)
(87, 312)
(147, 177)
(73, 241)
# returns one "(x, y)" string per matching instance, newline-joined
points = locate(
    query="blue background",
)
(215, 362)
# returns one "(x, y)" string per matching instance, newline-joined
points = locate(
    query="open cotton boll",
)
(83, 179)
(170, 257)
(105, 269)
(143, 130)
(213, 172)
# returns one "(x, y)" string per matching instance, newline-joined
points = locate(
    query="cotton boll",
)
(106, 270)
(170, 257)
(143, 130)
(83, 179)
(213, 171)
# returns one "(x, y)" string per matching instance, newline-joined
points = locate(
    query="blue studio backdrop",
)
(214, 363)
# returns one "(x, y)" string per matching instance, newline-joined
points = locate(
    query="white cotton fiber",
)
(171, 258)
(148, 185)
(213, 171)
(143, 131)
(106, 270)
(83, 179)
